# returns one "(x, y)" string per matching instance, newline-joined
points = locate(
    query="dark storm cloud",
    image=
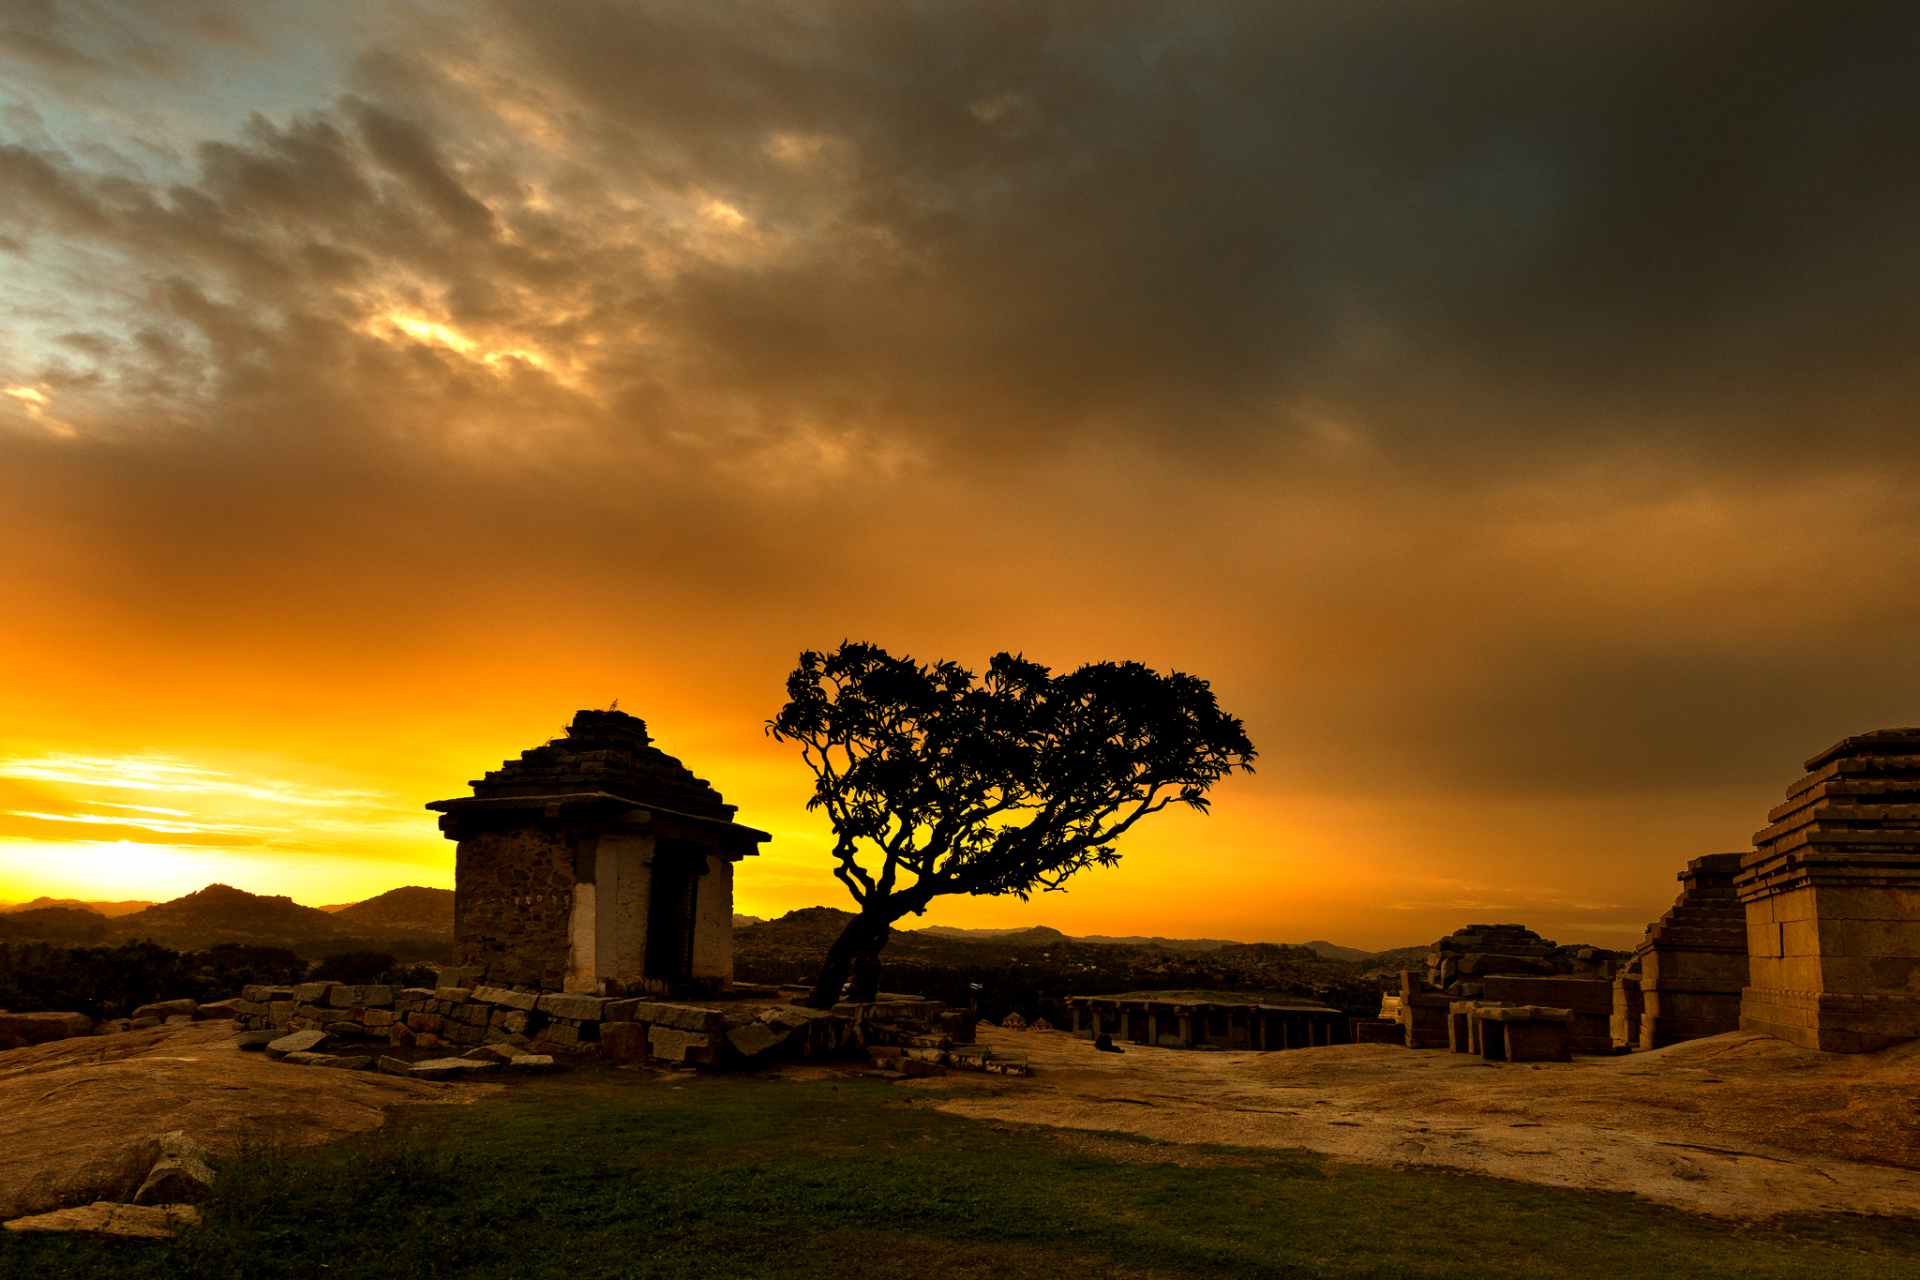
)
(1250, 317)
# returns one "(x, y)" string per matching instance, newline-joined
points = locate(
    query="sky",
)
(1509, 409)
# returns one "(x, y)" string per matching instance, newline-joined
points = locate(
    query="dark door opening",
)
(677, 868)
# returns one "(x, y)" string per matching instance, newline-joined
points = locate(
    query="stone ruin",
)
(596, 864)
(1190, 1024)
(1506, 965)
(1684, 981)
(1831, 894)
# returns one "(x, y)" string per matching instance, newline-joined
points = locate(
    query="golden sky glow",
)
(1510, 411)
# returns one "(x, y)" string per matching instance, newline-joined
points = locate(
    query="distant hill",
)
(1041, 934)
(222, 913)
(741, 922)
(1333, 951)
(411, 909)
(71, 925)
(97, 907)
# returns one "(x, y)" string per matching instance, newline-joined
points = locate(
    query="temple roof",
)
(610, 753)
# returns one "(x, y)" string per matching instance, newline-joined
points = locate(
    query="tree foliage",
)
(936, 783)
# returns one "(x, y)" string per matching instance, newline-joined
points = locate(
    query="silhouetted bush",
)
(102, 982)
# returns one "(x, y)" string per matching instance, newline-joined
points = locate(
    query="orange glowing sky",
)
(1510, 411)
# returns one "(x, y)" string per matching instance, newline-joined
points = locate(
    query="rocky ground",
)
(75, 1114)
(1739, 1124)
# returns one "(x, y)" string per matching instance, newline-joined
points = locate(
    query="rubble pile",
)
(925, 1038)
(1458, 963)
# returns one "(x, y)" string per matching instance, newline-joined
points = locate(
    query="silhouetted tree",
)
(1007, 785)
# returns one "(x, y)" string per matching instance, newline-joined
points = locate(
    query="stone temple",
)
(596, 863)
(1832, 898)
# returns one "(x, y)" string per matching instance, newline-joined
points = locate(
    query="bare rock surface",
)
(1739, 1124)
(105, 1218)
(81, 1119)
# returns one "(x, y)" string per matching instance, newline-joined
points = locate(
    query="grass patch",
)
(601, 1173)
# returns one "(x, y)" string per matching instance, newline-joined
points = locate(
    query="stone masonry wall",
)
(513, 905)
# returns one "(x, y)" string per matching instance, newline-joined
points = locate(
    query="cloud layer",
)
(1503, 406)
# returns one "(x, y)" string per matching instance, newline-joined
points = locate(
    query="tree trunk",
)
(855, 956)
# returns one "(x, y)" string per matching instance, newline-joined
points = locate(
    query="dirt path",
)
(1740, 1124)
(75, 1114)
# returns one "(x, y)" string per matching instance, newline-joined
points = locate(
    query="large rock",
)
(40, 1028)
(105, 1218)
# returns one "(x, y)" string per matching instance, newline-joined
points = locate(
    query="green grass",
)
(632, 1175)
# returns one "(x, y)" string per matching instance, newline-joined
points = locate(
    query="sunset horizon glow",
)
(1509, 413)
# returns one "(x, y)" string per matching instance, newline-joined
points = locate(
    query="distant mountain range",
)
(221, 913)
(76, 904)
(1038, 935)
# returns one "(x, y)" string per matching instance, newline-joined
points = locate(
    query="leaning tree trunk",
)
(854, 957)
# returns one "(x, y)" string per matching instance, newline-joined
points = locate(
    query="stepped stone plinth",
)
(1693, 965)
(1832, 901)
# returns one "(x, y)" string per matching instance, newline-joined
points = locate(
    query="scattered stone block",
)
(393, 1066)
(917, 1068)
(311, 992)
(681, 1017)
(164, 1009)
(107, 1219)
(451, 1068)
(505, 998)
(1010, 1065)
(255, 1039)
(342, 1062)
(532, 1064)
(453, 995)
(581, 1008)
(620, 1010)
(625, 1041)
(222, 1009)
(751, 1040)
(673, 1045)
(297, 1042)
(184, 1178)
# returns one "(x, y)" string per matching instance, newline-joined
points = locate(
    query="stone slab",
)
(107, 1219)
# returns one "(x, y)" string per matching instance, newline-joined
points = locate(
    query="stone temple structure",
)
(596, 863)
(1692, 967)
(1832, 900)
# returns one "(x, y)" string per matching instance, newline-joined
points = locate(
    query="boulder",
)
(105, 1218)
(255, 1039)
(312, 992)
(228, 1009)
(393, 1066)
(40, 1028)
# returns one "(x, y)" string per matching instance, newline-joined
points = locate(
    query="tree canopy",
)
(936, 783)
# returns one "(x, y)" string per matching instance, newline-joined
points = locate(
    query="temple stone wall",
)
(513, 904)
(596, 864)
(1831, 895)
(713, 933)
